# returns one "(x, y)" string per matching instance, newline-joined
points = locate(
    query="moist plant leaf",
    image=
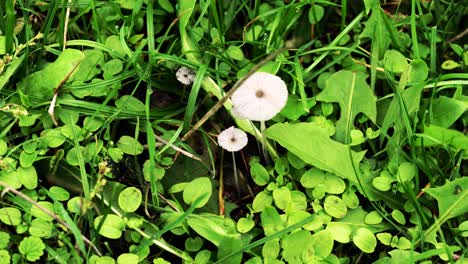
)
(322, 244)
(130, 146)
(214, 228)
(10, 216)
(31, 248)
(42, 83)
(199, 190)
(351, 91)
(130, 199)
(436, 136)
(110, 225)
(365, 240)
(445, 111)
(310, 142)
(28, 177)
(451, 197)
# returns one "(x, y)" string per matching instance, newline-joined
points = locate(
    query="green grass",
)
(364, 164)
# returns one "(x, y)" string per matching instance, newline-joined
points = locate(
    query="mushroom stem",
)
(236, 177)
(264, 141)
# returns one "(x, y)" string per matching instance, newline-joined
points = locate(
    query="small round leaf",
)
(365, 240)
(335, 207)
(32, 248)
(130, 146)
(10, 216)
(130, 199)
(28, 177)
(111, 226)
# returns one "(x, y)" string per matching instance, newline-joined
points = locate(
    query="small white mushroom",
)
(260, 97)
(185, 75)
(232, 139)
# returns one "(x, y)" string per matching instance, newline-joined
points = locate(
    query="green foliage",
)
(365, 163)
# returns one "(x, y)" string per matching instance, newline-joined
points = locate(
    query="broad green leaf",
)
(271, 249)
(259, 174)
(418, 71)
(350, 199)
(316, 13)
(311, 143)
(245, 224)
(4, 256)
(31, 248)
(406, 171)
(351, 91)
(113, 43)
(235, 53)
(127, 258)
(451, 197)
(435, 135)
(40, 214)
(130, 199)
(384, 238)
(11, 178)
(127, 102)
(92, 123)
(166, 5)
(110, 226)
(193, 244)
(89, 67)
(355, 219)
(295, 245)
(393, 114)
(282, 197)
(105, 260)
(382, 183)
(271, 220)
(365, 240)
(404, 243)
(212, 227)
(112, 67)
(445, 111)
(42, 83)
(261, 200)
(199, 190)
(10, 216)
(340, 232)
(298, 202)
(41, 228)
(28, 177)
(394, 61)
(27, 159)
(130, 146)
(322, 244)
(3, 147)
(298, 216)
(373, 218)
(335, 207)
(59, 193)
(202, 257)
(4, 239)
(54, 138)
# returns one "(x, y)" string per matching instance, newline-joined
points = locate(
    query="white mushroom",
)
(232, 139)
(260, 97)
(185, 75)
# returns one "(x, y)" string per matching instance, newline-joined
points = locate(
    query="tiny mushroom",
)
(185, 75)
(232, 139)
(260, 97)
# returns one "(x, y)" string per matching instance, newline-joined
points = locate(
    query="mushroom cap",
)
(232, 139)
(260, 97)
(185, 75)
